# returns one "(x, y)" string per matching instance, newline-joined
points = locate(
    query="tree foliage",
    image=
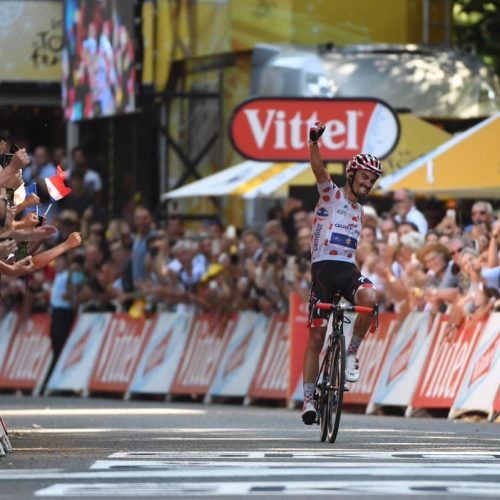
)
(477, 28)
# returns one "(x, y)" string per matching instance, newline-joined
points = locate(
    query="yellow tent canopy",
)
(466, 166)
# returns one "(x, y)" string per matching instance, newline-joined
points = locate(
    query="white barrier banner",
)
(241, 356)
(159, 361)
(7, 327)
(482, 378)
(74, 366)
(403, 364)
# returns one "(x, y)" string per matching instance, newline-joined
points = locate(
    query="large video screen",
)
(98, 60)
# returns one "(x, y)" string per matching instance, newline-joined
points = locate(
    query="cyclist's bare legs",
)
(313, 350)
(311, 368)
(364, 297)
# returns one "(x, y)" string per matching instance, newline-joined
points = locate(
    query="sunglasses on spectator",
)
(458, 250)
(479, 212)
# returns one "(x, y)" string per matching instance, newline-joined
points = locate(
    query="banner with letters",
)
(445, 365)
(7, 329)
(207, 342)
(28, 356)
(480, 387)
(242, 354)
(158, 365)
(74, 366)
(122, 347)
(372, 355)
(404, 362)
(270, 380)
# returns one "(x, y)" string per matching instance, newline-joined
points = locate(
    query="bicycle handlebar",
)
(325, 306)
(359, 309)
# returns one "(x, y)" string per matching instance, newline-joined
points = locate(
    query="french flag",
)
(55, 185)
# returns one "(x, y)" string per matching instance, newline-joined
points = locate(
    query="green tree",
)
(477, 28)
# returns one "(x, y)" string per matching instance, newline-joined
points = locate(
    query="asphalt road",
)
(72, 447)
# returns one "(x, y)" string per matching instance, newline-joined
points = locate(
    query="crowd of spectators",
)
(142, 266)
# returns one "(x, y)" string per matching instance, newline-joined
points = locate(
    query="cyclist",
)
(335, 233)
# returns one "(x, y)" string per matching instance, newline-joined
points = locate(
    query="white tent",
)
(248, 180)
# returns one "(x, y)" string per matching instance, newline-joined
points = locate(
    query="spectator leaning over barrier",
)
(406, 211)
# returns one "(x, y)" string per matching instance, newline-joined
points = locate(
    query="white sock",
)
(354, 345)
(309, 391)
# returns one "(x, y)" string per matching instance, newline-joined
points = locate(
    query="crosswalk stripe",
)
(368, 488)
(294, 454)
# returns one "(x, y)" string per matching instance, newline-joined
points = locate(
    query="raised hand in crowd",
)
(7, 247)
(30, 220)
(41, 259)
(30, 201)
(19, 268)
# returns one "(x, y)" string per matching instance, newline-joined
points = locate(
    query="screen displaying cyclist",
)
(335, 234)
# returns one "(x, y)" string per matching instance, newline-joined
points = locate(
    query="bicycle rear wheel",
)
(323, 395)
(335, 389)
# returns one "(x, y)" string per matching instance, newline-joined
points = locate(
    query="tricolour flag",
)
(55, 185)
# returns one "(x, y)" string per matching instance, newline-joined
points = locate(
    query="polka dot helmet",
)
(365, 162)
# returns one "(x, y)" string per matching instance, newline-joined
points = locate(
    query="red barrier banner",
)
(120, 353)
(372, 355)
(207, 342)
(298, 320)
(271, 377)
(28, 356)
(445, 365)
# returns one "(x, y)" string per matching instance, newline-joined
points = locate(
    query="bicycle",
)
(329, 391)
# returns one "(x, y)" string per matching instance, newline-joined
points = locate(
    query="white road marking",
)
(53, 412)
(294, 454)
(259, 469)
(271, 488)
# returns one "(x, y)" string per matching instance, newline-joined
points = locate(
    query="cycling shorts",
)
(328, 277)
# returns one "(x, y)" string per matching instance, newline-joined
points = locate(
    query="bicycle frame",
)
(331, 376)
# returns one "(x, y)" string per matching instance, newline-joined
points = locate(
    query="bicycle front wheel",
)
(335, 389)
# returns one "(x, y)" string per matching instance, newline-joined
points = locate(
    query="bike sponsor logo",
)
(348, 227)
(317, 234)
(322, 213)
(276, 129)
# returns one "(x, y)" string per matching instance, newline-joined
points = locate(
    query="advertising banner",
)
(372, 356)
(121, 350)
(479, 390)
(74, 366)
(28, 356)
(207, 342)
(7, 328)
(241, 356)
(276, 129)
(271, 377)
(158, 365)
(404, 362)
(445, 366)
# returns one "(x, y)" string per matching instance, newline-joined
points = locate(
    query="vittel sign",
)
(276, 129)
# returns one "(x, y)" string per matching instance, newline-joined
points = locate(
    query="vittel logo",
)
(275, 129)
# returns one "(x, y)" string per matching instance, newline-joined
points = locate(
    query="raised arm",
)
(317, 165)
